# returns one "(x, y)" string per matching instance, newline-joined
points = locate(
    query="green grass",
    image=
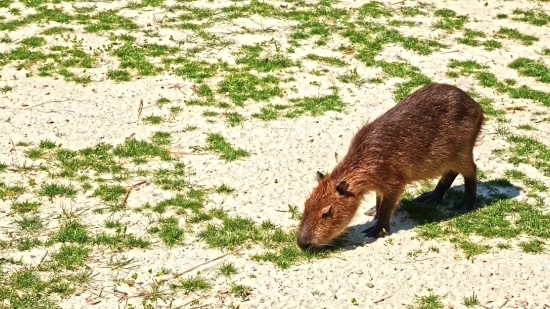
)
(314, 106)
(10, 192)
(241, 86)
(449, 20)
(55, 189)
(110, 193)
(430, 301)
(488, 79)
(529, 151)
(531, 68)
(250, 57)
(228, 270)
(169, 231)
(328, 60)
(194, 284)
(471, 301)
(533, 17)
(513, 34)
(241, 290)
(217, 143)
(25, 206)
(533, 246)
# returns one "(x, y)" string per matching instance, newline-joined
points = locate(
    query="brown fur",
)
(430, 134)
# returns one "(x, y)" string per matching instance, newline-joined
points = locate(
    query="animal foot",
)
(376, 231)
(372, 212)
(428, 198)
(465, 206)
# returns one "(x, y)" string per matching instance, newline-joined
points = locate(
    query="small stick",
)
(140, 108)
(129, 189)
(450, 51)
(190, 153)
(515, 107)
(381, 300)
(209, 261)
(336, 157)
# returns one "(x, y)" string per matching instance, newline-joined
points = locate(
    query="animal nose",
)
(303, 241)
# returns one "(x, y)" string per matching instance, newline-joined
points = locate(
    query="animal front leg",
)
(382, 227)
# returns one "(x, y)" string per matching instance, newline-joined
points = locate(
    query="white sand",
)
(279, 172)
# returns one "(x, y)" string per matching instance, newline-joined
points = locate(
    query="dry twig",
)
(129, 189)
(514, 108)
(209, 261)
(140, 108)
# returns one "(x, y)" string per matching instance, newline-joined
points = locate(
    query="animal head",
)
(327, 213)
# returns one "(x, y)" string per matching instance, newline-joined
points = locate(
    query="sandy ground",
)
(281, 170)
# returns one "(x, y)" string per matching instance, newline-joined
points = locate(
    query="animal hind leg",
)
(386, 208)
(373, 211)
(441, 188)
(469, 201)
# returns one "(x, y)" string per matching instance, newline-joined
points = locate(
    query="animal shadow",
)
(410, 214)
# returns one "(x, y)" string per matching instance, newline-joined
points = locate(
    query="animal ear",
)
(342, 189)
(327, 211)
(320, 176)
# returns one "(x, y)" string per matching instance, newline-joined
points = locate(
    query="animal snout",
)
(304, 242)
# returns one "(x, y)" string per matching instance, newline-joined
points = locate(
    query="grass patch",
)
(533, 17)
(52, 190)
(237, 231)
(529, 151)
(26, 289)
(430, 301)
(314, 106)
(224, 189)
(534, 184)
(34, 41)
(531, 68)
(241, 290)
(71, 257)
(25, 206)
(250, 57)
(153, 119)
(234, 119)
(449, 20)
(7, 191)
(110, 193)
(487, 79)
(513, 34)
(228, 270)
(194, 284)
(532, 246)
(169, 231)
(217, 143)
(328, 60)
(374, 9)
(241, 86)
(193, 200)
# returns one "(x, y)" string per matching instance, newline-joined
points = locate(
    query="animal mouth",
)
(308, 245)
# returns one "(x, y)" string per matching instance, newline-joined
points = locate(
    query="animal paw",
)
(371, 212)
(428, 198)
(376, 231)
(464, 206)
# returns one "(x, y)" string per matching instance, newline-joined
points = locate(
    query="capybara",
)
(431, 133)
